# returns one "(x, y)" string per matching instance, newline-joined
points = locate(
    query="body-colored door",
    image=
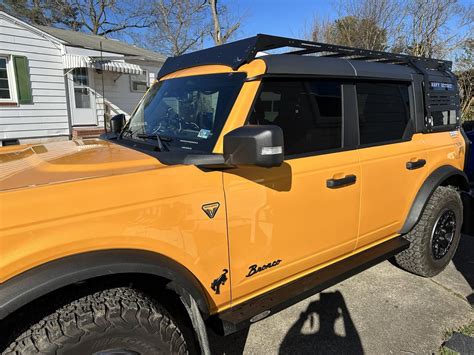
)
(284, 222)
(393, 160)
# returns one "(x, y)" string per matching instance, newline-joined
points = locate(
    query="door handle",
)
(412, 165)
(343, 182)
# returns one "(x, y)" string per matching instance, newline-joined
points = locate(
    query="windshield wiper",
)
(158, 138)
(127, 131)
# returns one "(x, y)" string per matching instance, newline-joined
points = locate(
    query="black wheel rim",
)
(443, 234)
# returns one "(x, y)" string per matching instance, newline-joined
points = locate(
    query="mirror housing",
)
(254, 145)
(117, 122)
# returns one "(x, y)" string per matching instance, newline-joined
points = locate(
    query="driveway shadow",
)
(464, 261)
(233, 344)
(315, 331)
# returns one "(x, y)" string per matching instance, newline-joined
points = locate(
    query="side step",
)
(242, 315)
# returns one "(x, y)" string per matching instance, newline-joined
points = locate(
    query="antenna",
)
(103, 87)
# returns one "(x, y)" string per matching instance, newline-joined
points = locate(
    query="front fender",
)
(41, 280)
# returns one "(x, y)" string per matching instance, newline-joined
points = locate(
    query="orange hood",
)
(36, 165)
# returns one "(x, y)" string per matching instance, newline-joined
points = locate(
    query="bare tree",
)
(464, 71)
(434, 28)
(178, 26)
(99, 17)
(102, 17)
(377, 21)
(223, 27)
(368, 24)
(41, 12)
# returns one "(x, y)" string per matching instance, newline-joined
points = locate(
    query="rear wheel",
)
(435, 238)
(115, 321)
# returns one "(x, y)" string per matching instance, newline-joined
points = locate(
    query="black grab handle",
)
(345, 181)
(412, 165)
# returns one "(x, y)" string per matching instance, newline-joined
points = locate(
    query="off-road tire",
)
(114, 319)
(419, 258)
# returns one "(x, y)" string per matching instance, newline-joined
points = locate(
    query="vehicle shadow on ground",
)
(233, 344)
(313, 333)
(315, 330)
(464, 261)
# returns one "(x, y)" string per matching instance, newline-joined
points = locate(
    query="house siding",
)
(47, 115)
(117, 92)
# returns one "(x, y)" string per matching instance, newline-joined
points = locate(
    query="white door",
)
(83, 112)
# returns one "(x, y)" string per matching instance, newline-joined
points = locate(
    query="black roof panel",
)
(307, 65)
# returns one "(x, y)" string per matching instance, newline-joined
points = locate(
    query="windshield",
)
(186, 113)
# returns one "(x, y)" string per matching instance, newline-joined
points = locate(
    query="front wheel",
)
(115, 321)
(435, 238)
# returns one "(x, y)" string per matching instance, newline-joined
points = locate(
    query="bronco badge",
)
(211, 209)
(253, 269)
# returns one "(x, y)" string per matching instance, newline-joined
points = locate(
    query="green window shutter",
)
(22, 76)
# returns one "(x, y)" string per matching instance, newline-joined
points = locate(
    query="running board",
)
(242, 315)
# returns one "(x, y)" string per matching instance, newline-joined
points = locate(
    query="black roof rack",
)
(238, 53)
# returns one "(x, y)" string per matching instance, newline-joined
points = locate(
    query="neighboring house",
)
(52, 81)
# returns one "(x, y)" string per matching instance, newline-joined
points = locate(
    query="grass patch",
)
(466, 330)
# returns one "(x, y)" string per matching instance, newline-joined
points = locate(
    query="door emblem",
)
(253, 269)
(211, 209)
(220, 281)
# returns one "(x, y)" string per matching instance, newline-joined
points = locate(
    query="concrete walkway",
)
(383, 310)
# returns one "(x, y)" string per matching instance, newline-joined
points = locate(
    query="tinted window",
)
(444, 118)
(383, 112)
(309, 113)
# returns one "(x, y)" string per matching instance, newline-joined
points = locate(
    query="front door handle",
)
(343, 182)
(412, 165)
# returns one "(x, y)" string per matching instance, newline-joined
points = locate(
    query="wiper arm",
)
(158, 138)
(128, 131)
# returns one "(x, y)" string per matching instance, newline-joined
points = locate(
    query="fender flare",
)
(41, 280)
(434, 180)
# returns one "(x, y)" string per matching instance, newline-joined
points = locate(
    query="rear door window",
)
(384, 112)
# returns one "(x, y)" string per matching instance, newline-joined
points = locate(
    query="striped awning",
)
(72, 61)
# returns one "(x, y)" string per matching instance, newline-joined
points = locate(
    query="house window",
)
(6, 78)
(139, 83)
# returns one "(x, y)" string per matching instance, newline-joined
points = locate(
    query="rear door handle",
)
(343, 182)
(412, 165)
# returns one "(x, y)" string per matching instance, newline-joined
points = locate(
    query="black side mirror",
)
(254, 145)
(117, 122)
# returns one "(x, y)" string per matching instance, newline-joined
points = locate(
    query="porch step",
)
(86, 132)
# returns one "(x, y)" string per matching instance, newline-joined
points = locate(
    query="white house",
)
(53, 81)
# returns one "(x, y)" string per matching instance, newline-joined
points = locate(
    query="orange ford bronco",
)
(241, 184)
